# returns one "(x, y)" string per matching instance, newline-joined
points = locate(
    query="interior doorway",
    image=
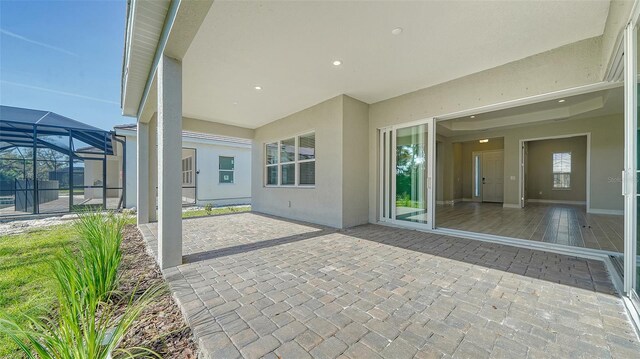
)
(488, 176)
(555, 170)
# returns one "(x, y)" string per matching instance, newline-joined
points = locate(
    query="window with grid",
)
(226, 168)
(187, 171)
(561, 170)
(291, 161)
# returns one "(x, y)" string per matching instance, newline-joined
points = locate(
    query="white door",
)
(492, 176)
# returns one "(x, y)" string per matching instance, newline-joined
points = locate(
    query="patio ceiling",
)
(288, 49)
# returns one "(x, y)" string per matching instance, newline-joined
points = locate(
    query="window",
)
(187, 171)
(561, 170)
(291, 161)
(226, 167)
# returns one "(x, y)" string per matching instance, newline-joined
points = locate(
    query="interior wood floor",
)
(553, 223)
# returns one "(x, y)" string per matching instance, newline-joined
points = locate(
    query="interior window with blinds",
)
(562, 170)
(291, 161)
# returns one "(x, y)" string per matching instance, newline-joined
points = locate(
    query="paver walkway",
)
(257, 286)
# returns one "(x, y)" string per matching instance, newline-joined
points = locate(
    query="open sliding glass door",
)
(631, 172)
(406, 174)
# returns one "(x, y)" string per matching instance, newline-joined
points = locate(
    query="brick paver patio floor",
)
(257, 286)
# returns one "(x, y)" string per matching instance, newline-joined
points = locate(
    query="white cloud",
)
(38, 43)
(59, 92)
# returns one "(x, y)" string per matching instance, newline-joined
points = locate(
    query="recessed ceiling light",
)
(258, 88)
(397, 31)
(235, 103)
(561, 101)
(337, 63)
(472, 116)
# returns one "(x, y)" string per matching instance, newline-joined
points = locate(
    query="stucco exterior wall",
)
(322, 203)
(569, 66)
(339, 198)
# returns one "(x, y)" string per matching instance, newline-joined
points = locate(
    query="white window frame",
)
(554, 173)
(279, 164)
(233, 170)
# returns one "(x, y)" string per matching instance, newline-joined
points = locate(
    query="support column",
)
(153, 169)
(169, 162)
(142, 201)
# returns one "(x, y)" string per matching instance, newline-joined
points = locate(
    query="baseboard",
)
(510, 205)
(450, 202)
(614, 212)
(556, 201)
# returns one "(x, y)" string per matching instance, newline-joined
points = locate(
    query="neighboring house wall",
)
(209, 190)
(566, 67)
(338, 198)
(540, 171)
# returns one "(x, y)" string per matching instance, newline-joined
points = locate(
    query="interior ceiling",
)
(594, 104)
(288, 49)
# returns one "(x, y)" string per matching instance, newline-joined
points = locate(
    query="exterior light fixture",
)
(484, 141)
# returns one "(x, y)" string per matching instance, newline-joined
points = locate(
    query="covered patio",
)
(254, 285)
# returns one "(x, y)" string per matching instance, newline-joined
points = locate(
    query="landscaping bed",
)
(161, 326)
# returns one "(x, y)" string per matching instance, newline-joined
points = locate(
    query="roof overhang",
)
(154, 28)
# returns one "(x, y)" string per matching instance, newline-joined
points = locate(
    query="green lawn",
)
(25, 281)
(214, 211)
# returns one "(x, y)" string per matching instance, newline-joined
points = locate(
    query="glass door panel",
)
(406, 161)
(411, 175)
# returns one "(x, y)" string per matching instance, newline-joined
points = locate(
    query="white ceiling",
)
(288, 49)
(589, 105)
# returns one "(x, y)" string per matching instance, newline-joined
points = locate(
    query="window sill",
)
(285, 186)
(561, 189)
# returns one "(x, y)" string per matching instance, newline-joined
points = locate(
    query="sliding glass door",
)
(631, 172)
(406, 161)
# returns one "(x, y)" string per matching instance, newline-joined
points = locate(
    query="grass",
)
(26, 283)
(214, 211)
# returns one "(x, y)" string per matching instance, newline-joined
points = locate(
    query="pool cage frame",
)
(16, 135)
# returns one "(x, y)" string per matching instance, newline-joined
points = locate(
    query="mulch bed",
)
(161, 326)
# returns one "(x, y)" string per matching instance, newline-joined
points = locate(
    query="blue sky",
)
(64, 57)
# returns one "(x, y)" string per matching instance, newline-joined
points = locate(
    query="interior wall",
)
(456, 149)
(540, 169)
(468, 148)
(607, 156)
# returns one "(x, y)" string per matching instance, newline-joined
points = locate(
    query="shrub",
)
(86, 325)
(208, 208)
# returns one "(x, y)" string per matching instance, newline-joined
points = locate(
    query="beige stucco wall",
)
(339, 198)
(569, 66)
(323, 203)
(540, 169)
(355, 165)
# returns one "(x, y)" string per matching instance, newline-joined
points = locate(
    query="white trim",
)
(598, 86)
(521, 158)
(578, 203)
(511, 205)
(615, 212)
(629, 174)
(587, 253)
